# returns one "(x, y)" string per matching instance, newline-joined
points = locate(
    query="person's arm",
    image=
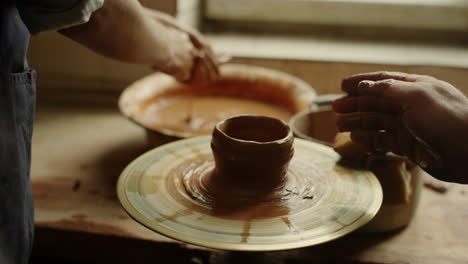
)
(124, 30)
(408, 114)
(208, 60)
(46, 15)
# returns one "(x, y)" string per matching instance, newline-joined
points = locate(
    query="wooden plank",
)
(61, 246)
(78, 155)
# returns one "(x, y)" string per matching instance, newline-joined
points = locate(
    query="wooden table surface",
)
(79, 152)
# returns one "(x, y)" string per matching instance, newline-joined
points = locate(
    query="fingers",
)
(199, 72)
(374, 109)
(397, 141)
(173, 67)
(395, 95)
(210, 63)
(205, 66)
(400, 142)
(375, 83)
(368, 121)
(208, 60)
(364, 104)
(383, 133)
(373, 140)
(190, 64)
(203, 70)
(353, 81)
(382, 88)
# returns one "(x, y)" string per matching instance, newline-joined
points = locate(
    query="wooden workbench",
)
(79, 152)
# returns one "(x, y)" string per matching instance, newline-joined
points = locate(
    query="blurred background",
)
(320, 41)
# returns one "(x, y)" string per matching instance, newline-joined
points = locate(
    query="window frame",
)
(449, 15)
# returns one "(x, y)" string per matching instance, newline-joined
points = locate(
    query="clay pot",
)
(252, 155)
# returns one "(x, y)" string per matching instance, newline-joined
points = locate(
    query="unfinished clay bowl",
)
(241, 190)
(251, 153)
(170, 110)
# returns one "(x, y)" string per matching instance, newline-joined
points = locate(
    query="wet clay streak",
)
(291, 227)
(175, 154)
(76, 185)
(158, 177)
(174, 216)
(194, 150)
(246, 231)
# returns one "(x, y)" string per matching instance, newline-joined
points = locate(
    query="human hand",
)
(418, 116)
(191, 58)
(126, 31)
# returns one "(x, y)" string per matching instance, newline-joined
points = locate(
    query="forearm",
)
(120, 29)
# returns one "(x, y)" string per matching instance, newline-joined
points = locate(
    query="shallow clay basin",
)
(170, 110)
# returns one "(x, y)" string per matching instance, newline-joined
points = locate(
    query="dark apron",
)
(17, 102)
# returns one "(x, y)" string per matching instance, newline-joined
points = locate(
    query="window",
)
(448, 15)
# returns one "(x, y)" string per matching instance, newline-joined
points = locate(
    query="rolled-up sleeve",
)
(43, 15)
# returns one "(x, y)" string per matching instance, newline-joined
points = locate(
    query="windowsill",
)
(309, 48)
(332, 50)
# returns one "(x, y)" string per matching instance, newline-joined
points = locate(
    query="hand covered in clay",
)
(126, 31)
(191, 58)
(418, 116)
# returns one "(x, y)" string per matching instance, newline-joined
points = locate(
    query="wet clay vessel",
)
(251, 155)
(250, 186)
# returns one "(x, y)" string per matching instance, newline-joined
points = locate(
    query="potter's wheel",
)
(336, 200)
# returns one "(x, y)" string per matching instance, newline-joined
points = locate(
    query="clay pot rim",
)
(296, 118)
(282, 140)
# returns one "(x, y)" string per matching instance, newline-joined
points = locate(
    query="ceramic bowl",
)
(236, 81)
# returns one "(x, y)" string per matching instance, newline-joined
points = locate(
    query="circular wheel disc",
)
(343, 200)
